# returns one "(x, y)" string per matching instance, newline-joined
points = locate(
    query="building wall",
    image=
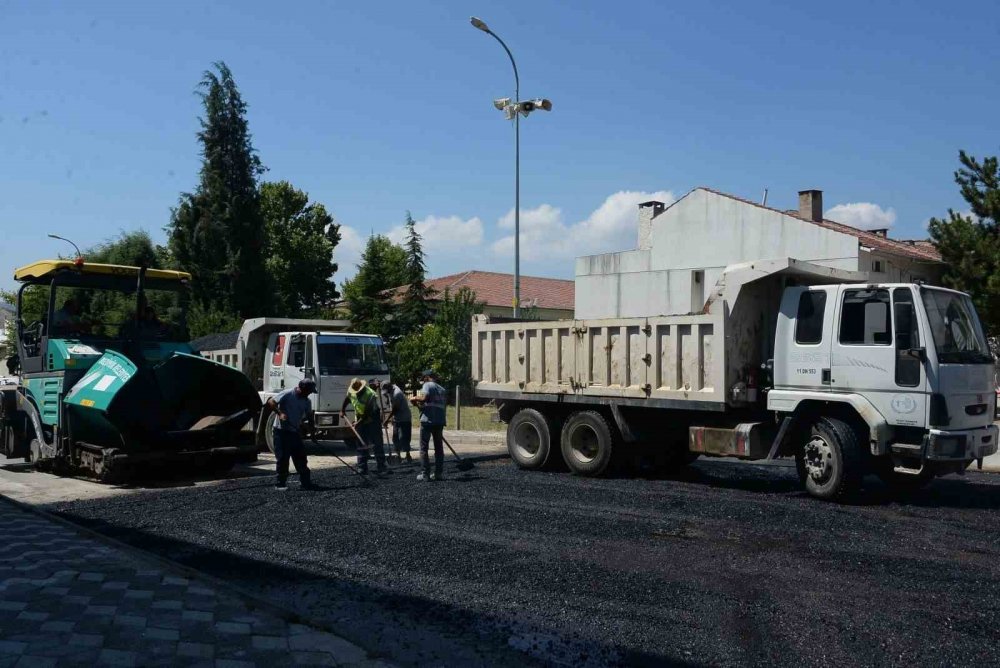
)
(541, 313)
(692, 243)
(894, 269)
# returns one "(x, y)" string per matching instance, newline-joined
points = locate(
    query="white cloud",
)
(862, 215)
(442, 234)
(544, 235)
(347, 254)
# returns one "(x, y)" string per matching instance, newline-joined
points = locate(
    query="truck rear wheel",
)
(269, 431)
(831, 461)
(530, 439)
(587, 443)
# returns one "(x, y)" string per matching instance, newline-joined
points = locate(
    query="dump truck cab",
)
(911, 360)
(107, 378)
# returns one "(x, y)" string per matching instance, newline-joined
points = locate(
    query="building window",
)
(877, 266)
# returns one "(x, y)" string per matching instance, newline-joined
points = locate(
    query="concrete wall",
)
(703, 232)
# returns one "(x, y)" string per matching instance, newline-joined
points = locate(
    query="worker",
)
(367, 424)
(431, 400)
(67, 320)
(292, 408)
(402, 420)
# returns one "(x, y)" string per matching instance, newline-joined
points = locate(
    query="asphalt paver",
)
(723, 564)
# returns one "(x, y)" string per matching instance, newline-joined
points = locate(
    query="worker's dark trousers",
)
(372, 433)
(426, 432)
(402, 432)
(288, 445)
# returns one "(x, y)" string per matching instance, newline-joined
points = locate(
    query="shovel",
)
(461, 464)
(353, 470)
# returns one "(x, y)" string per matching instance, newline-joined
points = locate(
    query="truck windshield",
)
(957, 335)
(351, 356)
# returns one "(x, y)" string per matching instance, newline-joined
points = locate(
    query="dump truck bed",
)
(667, 361)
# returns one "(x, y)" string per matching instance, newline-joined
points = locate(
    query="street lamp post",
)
(511, 110)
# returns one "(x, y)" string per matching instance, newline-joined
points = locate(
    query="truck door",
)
(803, 338)
(275, 373)
(873, 352)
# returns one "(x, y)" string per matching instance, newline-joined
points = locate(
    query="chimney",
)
(647, 212)
(811, 205)
(883, 232)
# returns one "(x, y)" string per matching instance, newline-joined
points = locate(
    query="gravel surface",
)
(726, 564)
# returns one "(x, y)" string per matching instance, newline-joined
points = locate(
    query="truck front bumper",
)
(964, 445)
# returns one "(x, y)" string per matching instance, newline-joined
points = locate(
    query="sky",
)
(379, 108)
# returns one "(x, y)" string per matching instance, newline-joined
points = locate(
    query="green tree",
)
(970, 244)
(217, 232)
(445, 345)
(383, 267)
(415, 310)
(300, 241)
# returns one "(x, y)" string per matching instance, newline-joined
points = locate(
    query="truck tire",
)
(831, 461)
(587, 443)
(530, 440)
(269, 431)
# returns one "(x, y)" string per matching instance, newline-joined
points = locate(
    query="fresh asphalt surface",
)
(724, 564)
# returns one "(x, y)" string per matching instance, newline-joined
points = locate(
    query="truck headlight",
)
(324, 421)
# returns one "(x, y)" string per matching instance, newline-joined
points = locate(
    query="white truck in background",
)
(787, 359)
(276, 353)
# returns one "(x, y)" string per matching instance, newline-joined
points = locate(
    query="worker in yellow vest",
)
(367, 422)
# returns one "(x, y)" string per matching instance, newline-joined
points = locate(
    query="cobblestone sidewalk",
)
(70, 600)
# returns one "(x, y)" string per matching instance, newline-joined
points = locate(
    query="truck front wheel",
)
(587, 443)
(269, 431)
(530, 439)
(831, 462)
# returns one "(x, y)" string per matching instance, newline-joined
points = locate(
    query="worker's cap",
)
(356, 386)
(429, 372)
(307, 384)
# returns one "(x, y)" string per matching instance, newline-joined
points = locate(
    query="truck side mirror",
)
(919, 353)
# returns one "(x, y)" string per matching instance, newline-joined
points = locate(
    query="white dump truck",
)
(785, 360)
(276, 353)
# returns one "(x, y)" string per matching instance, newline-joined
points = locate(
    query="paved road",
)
(68, 599)
(729, 564)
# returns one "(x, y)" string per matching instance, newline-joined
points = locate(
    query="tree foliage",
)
(300, 242)
(383, 266)
(415, 310)
(444, 345)
(217, 232)
(970, 243)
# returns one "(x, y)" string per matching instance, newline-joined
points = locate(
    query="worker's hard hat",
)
(356, 386)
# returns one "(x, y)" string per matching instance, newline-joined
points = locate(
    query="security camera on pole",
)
(510, 110)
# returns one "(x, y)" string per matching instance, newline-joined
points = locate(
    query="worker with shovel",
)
(431, 400)
(292, 407)
(399, 415)
(367, 424)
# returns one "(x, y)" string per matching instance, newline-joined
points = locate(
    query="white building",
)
(6, 347)
(684, 248)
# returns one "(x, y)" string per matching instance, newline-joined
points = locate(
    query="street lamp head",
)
(501, 103)
(529, 106)
(479, 23)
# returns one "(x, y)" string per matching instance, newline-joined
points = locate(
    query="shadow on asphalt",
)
(453, 623)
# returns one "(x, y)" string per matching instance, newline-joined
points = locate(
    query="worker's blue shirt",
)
(295, 407)
(435, 399)
(400, 406)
